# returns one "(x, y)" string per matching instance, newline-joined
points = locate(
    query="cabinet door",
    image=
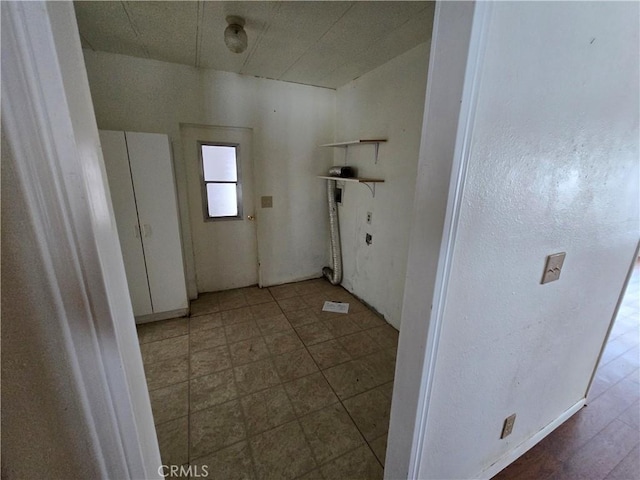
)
(153, 181)
(114, 150)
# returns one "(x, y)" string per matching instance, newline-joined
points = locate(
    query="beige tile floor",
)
(260, 383)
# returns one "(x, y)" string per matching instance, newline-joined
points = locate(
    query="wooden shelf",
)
(355, 142)
(370, 183)
(373, 141)
(353, 179)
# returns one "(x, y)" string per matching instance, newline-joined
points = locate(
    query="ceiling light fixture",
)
(234, 35)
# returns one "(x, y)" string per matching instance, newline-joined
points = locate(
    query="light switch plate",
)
(266, 202)
(553, 267)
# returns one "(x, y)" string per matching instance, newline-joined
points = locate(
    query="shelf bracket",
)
(371, 187)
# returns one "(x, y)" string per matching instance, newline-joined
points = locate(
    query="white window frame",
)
(204, 183)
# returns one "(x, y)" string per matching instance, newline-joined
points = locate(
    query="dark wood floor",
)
(601, 441)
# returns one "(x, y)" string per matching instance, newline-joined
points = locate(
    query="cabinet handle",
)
(137, 229)
(146, 230)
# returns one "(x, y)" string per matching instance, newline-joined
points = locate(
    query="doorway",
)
(225, 241)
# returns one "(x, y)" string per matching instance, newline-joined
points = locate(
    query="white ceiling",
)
(325, 43)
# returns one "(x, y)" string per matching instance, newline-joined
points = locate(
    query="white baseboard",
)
(525, 446)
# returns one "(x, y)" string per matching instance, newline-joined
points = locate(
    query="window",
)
(221, 177)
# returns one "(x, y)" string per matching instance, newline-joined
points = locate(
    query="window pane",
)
(222, 199)
(219, 164)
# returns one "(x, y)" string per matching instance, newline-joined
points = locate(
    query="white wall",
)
(288, 120)
(446, 75)
(387, 102)
(36, 398)
(552, 167)
(75, 404)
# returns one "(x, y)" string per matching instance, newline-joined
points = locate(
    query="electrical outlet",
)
(369, 217)
(266, 202)
(507, 428)
(368, 238)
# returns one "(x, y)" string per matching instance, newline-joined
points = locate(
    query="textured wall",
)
(387, 102)
(553, 166)
(75, 403)
(288, 120)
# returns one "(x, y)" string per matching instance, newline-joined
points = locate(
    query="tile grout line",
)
(237, 397)
(299, 416)
(296, 416)
(254, 463)
(353, 419)
(270, 357)
(240, 406)
(340, 401)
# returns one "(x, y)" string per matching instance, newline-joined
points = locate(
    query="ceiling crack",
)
(199, 33)
(314, 43)
(135, 29)
(263, 32)
(372, 45)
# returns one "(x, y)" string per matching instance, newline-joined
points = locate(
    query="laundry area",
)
(287, 132)
(263, 189)
(310, 240)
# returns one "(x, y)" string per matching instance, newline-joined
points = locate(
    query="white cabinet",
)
(143, 193)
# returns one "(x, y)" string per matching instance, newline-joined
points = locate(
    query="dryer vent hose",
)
(333, 273)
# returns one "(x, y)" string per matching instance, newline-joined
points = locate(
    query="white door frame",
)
(221, 132)
(459, 39)
(457, 47)
(50, 129)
